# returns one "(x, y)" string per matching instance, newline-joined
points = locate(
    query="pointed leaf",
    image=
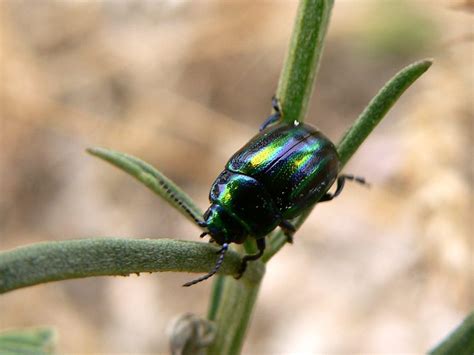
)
(378, 107)
(153, 179)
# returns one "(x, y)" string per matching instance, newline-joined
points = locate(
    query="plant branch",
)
(303, 57)
(54, 261)
(233, 316)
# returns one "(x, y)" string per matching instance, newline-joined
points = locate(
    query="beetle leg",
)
(273, 117)
(340, 185)
(276, 104)
(288, 229)
(247, 258)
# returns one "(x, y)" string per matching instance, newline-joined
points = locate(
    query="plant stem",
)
(232, 302)
(54, 261)
(233, 316)
(216, 296)
(303, 57)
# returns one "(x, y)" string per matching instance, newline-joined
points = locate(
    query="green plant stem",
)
(54, 261)
(231, 302)
(303, 57)
(233, 316)
(216, 296)
(460, 341)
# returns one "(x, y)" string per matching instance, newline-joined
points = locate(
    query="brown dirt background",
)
(183, 84)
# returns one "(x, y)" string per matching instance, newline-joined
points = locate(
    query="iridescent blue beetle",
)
(278, 174)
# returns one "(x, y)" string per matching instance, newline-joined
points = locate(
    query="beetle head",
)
(222, 226)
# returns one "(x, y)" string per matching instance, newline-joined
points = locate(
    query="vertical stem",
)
(302, 60)
(216, 296)
(232, 301)
(233, 316)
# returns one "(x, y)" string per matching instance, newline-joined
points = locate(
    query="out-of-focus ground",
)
(183, 84)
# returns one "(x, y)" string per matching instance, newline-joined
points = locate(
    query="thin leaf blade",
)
(378, 108)
(153, 179)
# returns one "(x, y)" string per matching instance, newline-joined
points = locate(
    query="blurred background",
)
(184, 84)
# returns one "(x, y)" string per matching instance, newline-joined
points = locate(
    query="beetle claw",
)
(275, 117)
(288, 229)
(247, 258)
(242, 269)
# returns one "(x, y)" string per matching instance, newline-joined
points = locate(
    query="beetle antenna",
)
(216, 268)
(358, 179)
(166, 187)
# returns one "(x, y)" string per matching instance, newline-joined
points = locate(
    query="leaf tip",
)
(95, 151)
(424, 63)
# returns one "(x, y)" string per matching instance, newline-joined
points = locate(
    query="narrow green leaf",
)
(153, 179)
(460, 341)
(378, 107)
(38, 341)
(54, 261)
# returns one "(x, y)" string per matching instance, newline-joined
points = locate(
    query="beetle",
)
(281, 172)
